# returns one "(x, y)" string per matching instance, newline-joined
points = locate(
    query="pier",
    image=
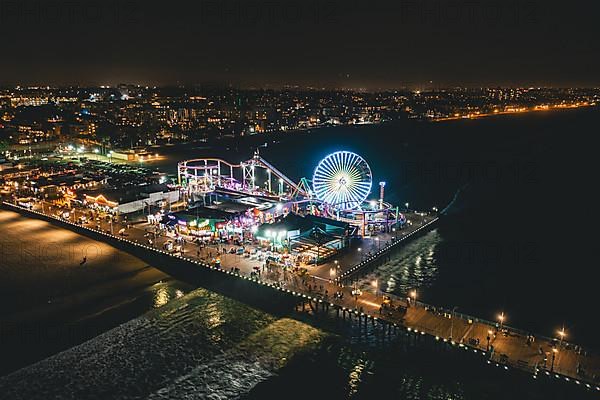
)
(319, 292)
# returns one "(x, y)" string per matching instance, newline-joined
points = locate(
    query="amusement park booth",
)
(312, 239)
(191, 224)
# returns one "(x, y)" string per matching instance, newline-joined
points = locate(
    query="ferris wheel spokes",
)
(343, 180)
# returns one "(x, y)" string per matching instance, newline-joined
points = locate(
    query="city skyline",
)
(131, 115)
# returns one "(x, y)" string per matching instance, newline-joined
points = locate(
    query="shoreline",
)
(53, 302)
(508, 113)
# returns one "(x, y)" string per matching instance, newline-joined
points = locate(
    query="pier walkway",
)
(503, 346)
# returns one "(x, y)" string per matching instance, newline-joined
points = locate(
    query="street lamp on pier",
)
(452, 321)
(413, 296)
(554, 352)
(489, 336)
(562, 335)
(501, 318)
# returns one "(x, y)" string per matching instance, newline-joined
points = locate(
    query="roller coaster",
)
(205, 175)
(339, 189)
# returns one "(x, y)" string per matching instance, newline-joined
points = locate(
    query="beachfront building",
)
(312, 239)
(132, 199)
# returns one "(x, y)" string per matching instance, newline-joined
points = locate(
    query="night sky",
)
(354, 44)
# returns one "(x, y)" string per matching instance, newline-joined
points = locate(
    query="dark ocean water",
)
(515, 239)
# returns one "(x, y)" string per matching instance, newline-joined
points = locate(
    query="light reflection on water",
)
(202, 344)
(161, 297)
(163, 292)
(355, 377)
(412, 266)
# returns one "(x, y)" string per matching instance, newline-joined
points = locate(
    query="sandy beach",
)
(60, 288)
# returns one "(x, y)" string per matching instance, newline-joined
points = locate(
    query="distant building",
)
(129, 200)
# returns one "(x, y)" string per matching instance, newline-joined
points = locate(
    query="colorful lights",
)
(343, 180)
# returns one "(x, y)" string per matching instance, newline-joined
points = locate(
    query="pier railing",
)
(394, 242)
(325, 301)
(468, 317)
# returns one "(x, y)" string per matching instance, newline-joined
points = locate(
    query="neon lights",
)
(343, 180)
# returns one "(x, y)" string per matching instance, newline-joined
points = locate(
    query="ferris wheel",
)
(343, 180)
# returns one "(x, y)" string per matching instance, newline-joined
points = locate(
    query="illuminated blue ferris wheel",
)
(343, 180)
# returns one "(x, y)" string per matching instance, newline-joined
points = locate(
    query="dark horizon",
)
(284, 87)
(374, 45)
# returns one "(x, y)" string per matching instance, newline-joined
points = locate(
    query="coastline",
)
(52, 302)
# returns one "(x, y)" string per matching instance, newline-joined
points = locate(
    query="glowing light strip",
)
(342, 179)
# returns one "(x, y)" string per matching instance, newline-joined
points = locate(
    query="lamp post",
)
(501, 318)
(562, 335)
(413, 296)
(452, 321)
(375, 285)
(489, 336)
(406, 205)
(332, 273)
(554, 352)
(355, 294)
(378, 244)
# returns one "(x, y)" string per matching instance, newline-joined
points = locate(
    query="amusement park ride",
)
(341, 184)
